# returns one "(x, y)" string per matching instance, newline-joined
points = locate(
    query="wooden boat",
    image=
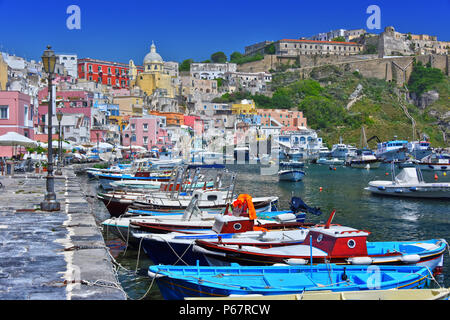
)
(178, 248)
(409, 183)
(179, 282)
(336, 244)
(391, 294)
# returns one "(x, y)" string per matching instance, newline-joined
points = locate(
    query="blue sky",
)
(123, 30)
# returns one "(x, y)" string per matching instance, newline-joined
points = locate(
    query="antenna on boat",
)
(330, 218)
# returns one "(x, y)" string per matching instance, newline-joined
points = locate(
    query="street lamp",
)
(50, 203)
(59, 116)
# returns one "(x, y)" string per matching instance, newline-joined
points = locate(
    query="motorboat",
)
(332, 161)
(179, 282)
(291, 175)
(435, 162)
(292, 164)
(393, 150)
(364, 159)
(409, 183)
(419, 149)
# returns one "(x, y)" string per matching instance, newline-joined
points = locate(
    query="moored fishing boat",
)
(364, 159)
(331, 161)
(291, 175)
(179, 282)
(390, 294)
(335, 244)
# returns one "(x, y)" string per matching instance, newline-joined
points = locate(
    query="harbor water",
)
(342, 189)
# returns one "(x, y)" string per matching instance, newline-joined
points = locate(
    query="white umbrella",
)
(64, 145)
(104, 145)
(13, 139)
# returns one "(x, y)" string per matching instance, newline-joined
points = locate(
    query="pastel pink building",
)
(69, 101)
(146, 132)
(16, 114)
(195, 122)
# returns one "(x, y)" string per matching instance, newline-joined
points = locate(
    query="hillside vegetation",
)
(324, 99)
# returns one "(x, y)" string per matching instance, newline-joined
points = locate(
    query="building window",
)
(4, 112)
(145, 140)
(99, 68)
(145, 126)
(133, 126)
(133, 138)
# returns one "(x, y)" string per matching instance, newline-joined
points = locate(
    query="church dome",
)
(152, 56)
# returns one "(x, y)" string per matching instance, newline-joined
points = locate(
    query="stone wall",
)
(389, 68)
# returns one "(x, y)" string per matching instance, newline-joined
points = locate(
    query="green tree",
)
(219, 57)
(235, 56)
(185, 65)
(424, 78)
(339, 39)
(269, 49)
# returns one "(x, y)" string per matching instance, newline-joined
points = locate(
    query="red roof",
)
(318, 41)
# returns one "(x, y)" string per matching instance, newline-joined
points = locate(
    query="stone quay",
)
(52, 255)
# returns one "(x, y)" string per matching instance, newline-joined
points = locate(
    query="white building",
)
(70, 63)
(211, 71)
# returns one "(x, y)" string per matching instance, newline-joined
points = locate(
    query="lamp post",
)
(50, 203)
(59, 116)
(98, 148)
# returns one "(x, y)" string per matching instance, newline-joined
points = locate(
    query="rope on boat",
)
(180, 258)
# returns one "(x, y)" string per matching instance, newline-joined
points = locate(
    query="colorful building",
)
(287, 118)
(114, 74)
(3, 73)
(16, 115)
(146, 132)
(132, 105)
(172, 118)
(244, 108)
(154, 75)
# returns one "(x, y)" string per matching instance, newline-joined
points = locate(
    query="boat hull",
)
(291, 175)
(176, 283)
(428, 193)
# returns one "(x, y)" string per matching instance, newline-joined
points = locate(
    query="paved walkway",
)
(52, 256)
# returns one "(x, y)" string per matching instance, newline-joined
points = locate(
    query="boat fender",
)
(198, 249)
(293, 261)
(410, 258)
(360, 260)
(413, 189)
(280, 265)
(284, 217)
(381, 188)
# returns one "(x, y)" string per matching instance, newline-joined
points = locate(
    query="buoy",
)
(320, 189)
(387, 173)
(445, 173)
(334, 168)
(435, 176)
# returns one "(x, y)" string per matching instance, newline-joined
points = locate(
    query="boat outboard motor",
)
(297, 205)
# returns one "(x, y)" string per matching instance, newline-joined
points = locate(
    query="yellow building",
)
(154, 76)
(129, 105)
(245, 107)
(3, 74)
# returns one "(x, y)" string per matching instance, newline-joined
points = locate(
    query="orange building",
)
(172, 118)
(289, 119)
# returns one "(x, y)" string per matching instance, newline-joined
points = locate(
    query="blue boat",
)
(179, 282)
(291, 175)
